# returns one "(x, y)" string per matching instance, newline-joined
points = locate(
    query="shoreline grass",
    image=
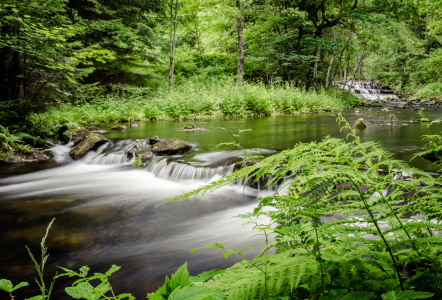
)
(193, 100)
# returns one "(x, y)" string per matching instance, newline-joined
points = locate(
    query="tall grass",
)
(193, 99)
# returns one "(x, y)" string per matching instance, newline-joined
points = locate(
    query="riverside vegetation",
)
(349, 220)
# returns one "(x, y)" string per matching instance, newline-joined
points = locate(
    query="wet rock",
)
(432, 156)
(171, 147)
(14, 157)
(242, 164)
(92, 142)
(154, 140)
(360, 124)
(415, 121)
(385, 109)
(145, 154)
(409, 102)
(45, 143)
(133, 125)
(119, 127)
(95, 129)
(48, 153)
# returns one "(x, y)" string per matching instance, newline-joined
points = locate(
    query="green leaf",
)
(85, 291)
(180, 278)
(405, 295)
(129, 296)
(6, 285)
(358, 296)
(206, 276)
(21, 284)
(113, 269)
(227, 254)
(39, 297)
(193, 293)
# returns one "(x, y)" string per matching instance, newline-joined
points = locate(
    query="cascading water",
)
(180, 171)
(368, 90)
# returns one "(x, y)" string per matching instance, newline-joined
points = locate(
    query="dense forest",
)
(73, 52)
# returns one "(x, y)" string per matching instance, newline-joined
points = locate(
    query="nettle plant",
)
(351, 222)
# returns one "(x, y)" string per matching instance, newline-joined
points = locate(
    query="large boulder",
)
(171, 147)
(73, 132)
(360, 124)
(92, 142)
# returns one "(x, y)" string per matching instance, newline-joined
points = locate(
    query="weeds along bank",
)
(192, 100)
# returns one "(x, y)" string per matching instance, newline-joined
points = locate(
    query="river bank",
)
(193, 100)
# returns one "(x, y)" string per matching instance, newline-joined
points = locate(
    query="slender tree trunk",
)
(330, 66)
(173, 25)
(198, 40)
(240, 45)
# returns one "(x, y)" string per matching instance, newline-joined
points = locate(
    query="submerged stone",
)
(171, 147)
(95, 129)
(92, 142)
(119, 127)
(360, 124)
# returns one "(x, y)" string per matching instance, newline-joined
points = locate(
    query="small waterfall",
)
(181, 171)
(368, 90)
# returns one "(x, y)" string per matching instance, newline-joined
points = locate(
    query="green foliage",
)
(83, 288)
(138, 162)
(15, 141)
(432, 144)
(193, 99)
(342, 225)
(8, 287)
(45, 293)
(182, 286)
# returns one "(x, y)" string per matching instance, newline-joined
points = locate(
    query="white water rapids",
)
(105, 214)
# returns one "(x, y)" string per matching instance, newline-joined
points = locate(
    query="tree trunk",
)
(330, 66)
(240, 45)
(173, 23)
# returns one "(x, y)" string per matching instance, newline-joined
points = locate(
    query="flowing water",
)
(105, 209)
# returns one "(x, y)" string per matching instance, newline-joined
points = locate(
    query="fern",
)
(346, 224)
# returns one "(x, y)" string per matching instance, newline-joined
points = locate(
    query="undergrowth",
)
(347, 226)
(190, 100)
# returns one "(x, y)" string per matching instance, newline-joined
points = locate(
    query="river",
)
(105, 212)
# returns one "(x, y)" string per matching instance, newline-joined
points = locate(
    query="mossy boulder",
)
(92, 142)
(360, 124)
(424, 120)
(119, 127)
(73, 132)
(170, 147)
(190, 126)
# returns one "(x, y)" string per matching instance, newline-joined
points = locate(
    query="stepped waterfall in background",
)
(368, 90)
